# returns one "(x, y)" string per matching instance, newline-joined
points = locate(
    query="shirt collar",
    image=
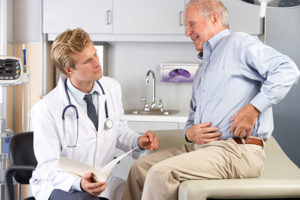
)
(217, 38)
(79, 95)
(209, 46)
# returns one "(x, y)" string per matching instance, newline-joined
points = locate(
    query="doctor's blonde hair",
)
(66, 45)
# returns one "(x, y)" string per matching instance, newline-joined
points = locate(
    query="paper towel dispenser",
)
(178, 72)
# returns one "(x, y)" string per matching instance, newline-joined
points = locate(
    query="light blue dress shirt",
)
(78, 95)
(238, 69)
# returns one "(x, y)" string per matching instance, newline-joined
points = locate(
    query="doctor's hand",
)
(243, 121)
(202, 133)
(148, 141)
(88, 185)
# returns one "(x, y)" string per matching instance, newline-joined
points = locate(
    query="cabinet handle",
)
(180, 18)
(108, 17)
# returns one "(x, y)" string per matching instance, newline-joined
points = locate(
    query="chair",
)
(22, 162)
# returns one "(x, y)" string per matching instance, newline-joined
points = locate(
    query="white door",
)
(148, 16)
(94, 16)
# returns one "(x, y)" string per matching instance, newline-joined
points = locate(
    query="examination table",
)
(280, 177)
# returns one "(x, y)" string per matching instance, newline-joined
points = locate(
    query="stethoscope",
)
(108, 124)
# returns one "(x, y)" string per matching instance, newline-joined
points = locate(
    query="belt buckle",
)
(243, 140)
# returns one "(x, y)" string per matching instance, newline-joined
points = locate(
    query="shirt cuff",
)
(135, 144)
(261, 102)
(185, 129)
(76, 185)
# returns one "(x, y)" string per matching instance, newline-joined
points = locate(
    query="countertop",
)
(178, 117)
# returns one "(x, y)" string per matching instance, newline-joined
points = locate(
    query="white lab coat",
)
(93, 148)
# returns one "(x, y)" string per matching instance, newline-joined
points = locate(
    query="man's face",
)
(87, 66)
(199, 28)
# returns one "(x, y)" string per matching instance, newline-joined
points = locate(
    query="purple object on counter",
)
(177, 75)
(179, 72)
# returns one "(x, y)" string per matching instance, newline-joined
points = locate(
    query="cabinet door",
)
(143, 126)
(148, 16)
(94, 16)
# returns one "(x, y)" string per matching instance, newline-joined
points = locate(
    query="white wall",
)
(27, 20)
(129, 63)
(23, 20)
(10, 34)
(283, 34)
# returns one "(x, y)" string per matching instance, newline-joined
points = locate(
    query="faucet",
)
(146, 105)
(153, 86)
(161, 105)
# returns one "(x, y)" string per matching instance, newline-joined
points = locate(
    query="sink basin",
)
(151, 112)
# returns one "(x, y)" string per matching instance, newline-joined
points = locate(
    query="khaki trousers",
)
(157, 176)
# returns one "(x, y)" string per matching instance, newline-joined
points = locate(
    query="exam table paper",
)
(78, 168)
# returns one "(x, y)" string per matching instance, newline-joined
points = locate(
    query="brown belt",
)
(249, 140)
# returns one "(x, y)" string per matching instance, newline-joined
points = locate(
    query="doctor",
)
(82, 119)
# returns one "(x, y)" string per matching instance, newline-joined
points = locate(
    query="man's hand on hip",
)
(243, 121)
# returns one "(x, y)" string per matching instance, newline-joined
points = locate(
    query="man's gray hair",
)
(208, 7)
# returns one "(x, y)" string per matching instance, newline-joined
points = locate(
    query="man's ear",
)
(214, 18)
(68, 70)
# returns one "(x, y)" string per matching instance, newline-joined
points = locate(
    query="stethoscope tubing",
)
(73, 106)
(107, 125)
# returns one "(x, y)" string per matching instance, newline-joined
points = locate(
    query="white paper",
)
(107, 169)
(78, 168)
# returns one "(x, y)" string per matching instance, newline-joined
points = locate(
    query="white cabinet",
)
(117, 20)
(142, 123)
(137, 20)
(143, 126)
(148, 16)
(94, 16)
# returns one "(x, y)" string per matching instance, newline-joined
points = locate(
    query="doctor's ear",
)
(68, 70)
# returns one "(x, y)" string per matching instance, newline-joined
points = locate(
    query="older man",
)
(230, 116)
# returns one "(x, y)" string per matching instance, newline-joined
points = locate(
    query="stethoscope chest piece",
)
(108, 124)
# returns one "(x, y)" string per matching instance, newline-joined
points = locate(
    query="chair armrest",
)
(9, 174)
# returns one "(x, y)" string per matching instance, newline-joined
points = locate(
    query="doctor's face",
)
(87, 68)
(198, 28)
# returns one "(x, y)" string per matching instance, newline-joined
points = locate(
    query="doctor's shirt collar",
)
(78, 95)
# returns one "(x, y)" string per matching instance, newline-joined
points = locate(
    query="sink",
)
(151, 112)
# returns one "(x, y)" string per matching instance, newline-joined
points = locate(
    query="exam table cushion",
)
(280, 177)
